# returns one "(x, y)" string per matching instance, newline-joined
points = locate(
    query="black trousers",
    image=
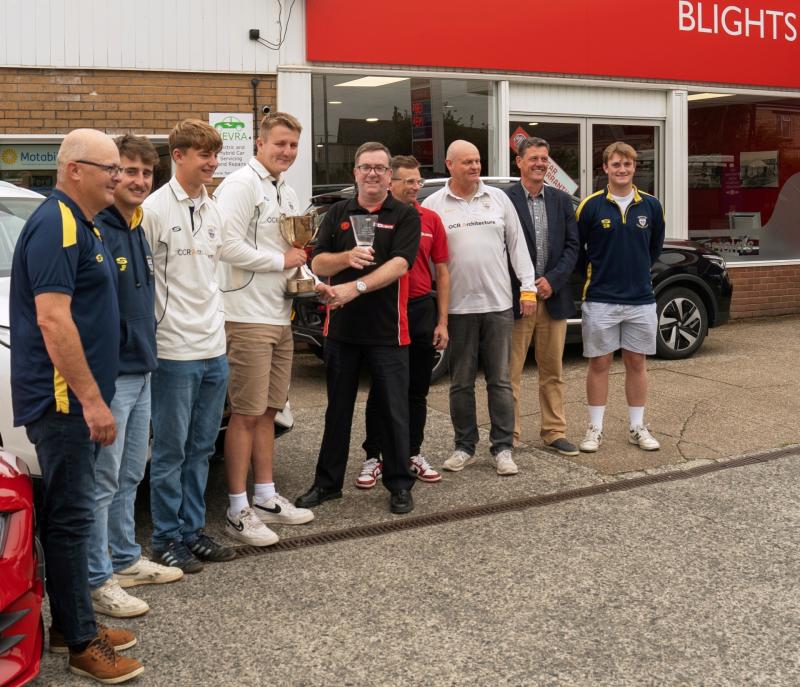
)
(388, 368)
(421, 353)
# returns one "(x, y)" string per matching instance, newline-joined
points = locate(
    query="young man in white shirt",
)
(184, 228)
(483, 232)
(256, 263)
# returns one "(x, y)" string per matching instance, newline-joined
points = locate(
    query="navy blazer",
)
(563, 247)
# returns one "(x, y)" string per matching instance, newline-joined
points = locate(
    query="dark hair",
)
(371, 146)
(532, 142)
(404, 161)
(134, 147)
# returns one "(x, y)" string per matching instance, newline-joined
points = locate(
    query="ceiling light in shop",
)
(334, 102)
(320, 145)
(372, 119)
(708, 96)
(533, 123)
(372, 81)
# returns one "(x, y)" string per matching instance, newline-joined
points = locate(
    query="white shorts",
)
(607, 327)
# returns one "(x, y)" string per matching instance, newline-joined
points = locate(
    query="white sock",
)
(596, 416)
(237, 503)
(264, 492)
(636, 416)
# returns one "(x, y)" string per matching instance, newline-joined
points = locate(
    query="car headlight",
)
(5, 336)
(716, 259)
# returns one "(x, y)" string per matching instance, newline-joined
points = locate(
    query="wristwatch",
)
(361, 286)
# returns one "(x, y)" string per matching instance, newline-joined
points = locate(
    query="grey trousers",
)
(484, 338)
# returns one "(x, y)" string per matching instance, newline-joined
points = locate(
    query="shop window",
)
(744, 176)
(411, 116)
(33, 165)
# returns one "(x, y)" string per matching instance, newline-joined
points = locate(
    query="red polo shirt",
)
(432, 248)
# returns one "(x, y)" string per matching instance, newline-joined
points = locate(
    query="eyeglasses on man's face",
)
(113, 170)
(410, 182)
(367, 169)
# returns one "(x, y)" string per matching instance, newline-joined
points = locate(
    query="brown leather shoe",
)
(100, 662)
(117, 637)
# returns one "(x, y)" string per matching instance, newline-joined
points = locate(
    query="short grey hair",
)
(532, 142)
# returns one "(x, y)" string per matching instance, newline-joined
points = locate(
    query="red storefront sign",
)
(744, 42)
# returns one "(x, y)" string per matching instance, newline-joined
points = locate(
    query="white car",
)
(16, 205)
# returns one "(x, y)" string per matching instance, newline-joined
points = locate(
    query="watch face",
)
(361, 286)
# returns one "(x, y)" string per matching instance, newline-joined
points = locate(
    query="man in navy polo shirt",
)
(367, 322)
(64, 360)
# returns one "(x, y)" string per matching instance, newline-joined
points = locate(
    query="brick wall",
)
(55, 101)
(763, 291)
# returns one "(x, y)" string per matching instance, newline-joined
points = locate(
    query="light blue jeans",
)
(118, 471)
(188, 400)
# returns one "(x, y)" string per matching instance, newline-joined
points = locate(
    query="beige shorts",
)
(260, 362)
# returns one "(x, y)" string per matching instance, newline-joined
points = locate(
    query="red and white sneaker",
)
(423, 470)
(371, 472)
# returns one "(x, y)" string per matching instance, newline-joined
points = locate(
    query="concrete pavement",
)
(692, 582)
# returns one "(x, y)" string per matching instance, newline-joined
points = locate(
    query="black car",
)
(691, 284)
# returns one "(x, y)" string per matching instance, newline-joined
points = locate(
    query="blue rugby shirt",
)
(60, 251)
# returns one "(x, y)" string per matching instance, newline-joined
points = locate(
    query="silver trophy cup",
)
(299, 231)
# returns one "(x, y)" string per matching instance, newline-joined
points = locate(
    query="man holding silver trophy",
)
(365, 248)
(263, 245)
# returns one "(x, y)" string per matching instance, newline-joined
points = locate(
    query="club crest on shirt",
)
(212, 233)
(344, 226)
(122, 262)
(606, 223)
(642, 221)
(99, 257)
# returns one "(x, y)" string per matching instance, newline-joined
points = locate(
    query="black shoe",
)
(206, 549)
(177, 555)
(317, 495)
(564, 447)
(401, 501)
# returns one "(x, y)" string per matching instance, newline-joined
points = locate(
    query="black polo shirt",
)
(376, 318)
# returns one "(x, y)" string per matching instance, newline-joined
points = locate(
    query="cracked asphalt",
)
(692, 582)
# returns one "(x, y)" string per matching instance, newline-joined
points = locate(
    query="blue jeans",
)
(119, 469)
(67, 458)
(188, 400)
(485, 337)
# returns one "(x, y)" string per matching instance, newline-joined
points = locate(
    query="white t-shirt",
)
(623, 201)
(185, 245)
(251, 273)
(480, 233)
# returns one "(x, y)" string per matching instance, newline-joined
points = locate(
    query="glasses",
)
(410, 182)
(113, 170)
(378, 169)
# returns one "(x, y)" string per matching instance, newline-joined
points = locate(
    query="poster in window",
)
(759, 169)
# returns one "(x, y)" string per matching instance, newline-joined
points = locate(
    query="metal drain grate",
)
(415, 522)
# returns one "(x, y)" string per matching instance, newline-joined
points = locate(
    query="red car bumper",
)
(21, 632)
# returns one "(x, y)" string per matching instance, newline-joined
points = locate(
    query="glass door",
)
(645, 137)
(565, 137)
(577, 144)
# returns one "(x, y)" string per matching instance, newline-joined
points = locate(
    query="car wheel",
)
(441, 365)
(682, 323)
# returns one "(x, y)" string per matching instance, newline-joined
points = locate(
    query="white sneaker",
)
(592, 439)
(145, 571)
(279, 510)
(247, 528)
(371, 471)
(458, 460)
(641, 435)
(504, 463)
(111, 599)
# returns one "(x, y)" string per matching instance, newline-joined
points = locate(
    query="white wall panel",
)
(592, 102)
(195, 35)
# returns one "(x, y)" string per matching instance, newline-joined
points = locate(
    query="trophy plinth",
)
(299, 231)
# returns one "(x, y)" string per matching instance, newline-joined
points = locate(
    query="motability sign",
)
(753, 42)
